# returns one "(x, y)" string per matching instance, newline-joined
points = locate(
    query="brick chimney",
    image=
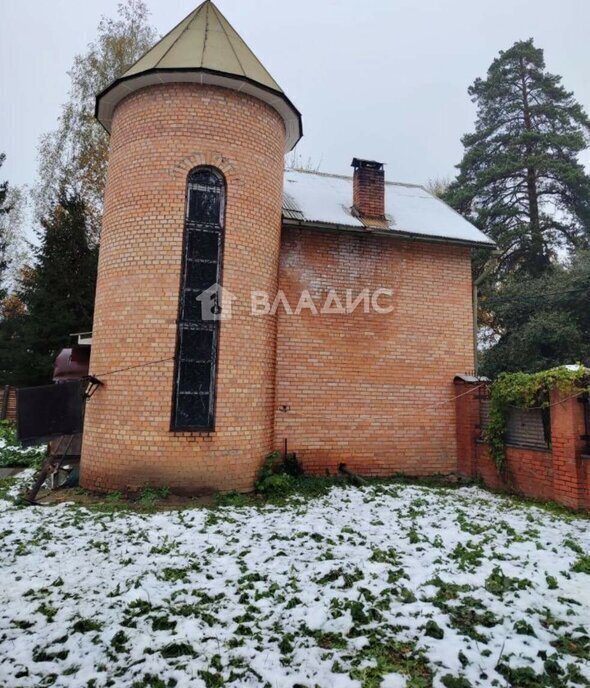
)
(368, 189)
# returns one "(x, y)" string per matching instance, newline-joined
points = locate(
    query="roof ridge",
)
(206, 5)
(230, 42)
(349, 178)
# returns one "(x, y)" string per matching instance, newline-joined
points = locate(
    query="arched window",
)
(198, 324)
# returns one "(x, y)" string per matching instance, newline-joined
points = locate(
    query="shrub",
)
(271, 480)
(12, 454)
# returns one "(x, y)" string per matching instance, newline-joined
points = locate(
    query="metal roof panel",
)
(322, 199)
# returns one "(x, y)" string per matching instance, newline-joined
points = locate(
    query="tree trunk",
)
(537, 247)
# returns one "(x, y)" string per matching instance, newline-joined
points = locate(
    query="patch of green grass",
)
(578, 646)
(553, 676)
(329, 640)
(119, 641)
(468, 526)
(553, 508)
(498, 583)
(523, 627)
(467, 614)
(450, 681)
(211, 680)
(233, 498)
(152, 681)
(163, 623)
(173, 574)
(582, 564)
(44, 655)
(447, 590)
(389, 656)
(385, 556)
(47, 610)
(6, 484)
(349, 577)
(468, 556)
(551, 582)
(86, 626)
(573, 545)
(433, 630)
(151, 495)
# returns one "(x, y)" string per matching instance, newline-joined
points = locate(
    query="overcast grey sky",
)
(383, 79)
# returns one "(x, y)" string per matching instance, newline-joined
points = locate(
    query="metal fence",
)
(530, 428)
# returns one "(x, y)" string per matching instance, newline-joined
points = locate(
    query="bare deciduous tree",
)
(75, 153)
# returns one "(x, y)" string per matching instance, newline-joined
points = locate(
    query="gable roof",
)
(321, 200)
(202, 48)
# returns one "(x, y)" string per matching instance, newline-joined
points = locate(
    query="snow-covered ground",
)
(391, 586)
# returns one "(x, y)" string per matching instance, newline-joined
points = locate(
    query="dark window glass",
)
(205, 196)
(200, 274)
(192, 411)
(195, 377)
(197, 343)
(202, 245)
(194, 389)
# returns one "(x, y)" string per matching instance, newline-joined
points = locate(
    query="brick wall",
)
(8, 403)
(561, 473)
(373, 391)
(158, 135)
(368, 191)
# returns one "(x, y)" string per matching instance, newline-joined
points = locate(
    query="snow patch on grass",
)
(393, 586)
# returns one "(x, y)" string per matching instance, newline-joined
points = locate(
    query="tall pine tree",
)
(3, 241)
(520, 179)
(59, 292)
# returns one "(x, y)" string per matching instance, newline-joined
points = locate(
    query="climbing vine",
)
(526, 391)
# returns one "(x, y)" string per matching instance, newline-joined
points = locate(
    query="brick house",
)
(338, 309)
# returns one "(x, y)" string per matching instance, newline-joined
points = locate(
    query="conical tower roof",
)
(204, 48)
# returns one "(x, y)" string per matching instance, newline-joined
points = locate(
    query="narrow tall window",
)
(198, 325)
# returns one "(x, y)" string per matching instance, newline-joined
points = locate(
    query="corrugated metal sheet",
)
(524, 428)
(291, 210)
(319, 199)
(45, 412)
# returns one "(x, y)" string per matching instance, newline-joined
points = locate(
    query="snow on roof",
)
(316, 198)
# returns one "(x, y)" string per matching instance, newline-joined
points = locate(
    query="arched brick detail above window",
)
(228, 167)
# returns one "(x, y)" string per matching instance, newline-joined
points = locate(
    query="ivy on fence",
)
(526, 391)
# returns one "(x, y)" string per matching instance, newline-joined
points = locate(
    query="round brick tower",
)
(193, 201)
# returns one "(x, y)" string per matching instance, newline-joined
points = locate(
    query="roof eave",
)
(104, 110)
(389, 233)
